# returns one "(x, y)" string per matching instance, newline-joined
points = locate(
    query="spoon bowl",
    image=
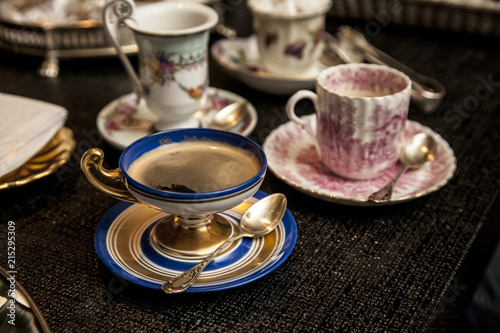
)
(229, 116)
(223, 119)
(419, 150)
(263, 216)
(416, 152)
(259, 220)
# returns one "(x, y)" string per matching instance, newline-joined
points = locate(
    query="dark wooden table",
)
(403, 268)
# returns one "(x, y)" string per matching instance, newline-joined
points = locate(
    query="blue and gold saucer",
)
(123, 243)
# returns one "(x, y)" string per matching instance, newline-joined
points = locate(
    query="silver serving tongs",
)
(352, 47)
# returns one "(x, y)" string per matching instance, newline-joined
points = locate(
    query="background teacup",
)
(172, 38)
(361, 110)
(289, 43)
(191, 227)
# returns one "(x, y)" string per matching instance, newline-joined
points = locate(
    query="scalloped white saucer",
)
(292, 157)
(124, 110)
(240, 58)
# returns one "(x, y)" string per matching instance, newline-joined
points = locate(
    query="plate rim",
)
(61, 160)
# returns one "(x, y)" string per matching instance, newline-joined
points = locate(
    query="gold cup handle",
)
(92, 159)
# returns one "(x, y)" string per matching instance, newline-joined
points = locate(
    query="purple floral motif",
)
(271, 38)
(166, 68)
(296, 49)
(161, 67)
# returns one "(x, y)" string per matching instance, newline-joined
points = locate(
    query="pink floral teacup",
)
(361, 110)
(172, 38)
(289, 34)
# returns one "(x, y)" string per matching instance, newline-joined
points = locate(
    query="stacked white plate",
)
(26, 126)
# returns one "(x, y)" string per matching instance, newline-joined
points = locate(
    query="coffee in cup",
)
(189, 167)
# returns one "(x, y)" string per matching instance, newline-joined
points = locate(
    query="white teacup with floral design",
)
(172, 38)
(289, 38)
(361, 110)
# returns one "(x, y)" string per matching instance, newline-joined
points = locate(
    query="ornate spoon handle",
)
(185, 280)
(385, 193)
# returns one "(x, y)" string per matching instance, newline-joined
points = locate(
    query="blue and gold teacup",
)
(208, 162)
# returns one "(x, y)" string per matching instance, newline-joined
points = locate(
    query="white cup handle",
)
(305, 123)
(121, 10)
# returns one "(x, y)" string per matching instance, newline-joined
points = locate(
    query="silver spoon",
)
(224, 119)
(416, 152)
(229, 116)
(258, 221)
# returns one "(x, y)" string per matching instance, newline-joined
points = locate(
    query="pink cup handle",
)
(304, 123)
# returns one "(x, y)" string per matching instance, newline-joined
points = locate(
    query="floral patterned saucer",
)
(292, 157)
(122, 121)
(239, 57)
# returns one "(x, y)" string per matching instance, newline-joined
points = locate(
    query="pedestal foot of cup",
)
(171, 237)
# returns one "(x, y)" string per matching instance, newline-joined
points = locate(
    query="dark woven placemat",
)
(352, 270)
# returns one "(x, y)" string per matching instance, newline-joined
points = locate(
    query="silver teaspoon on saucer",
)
(417, 151)
(224, 119)
(228, 117)
(258, 221)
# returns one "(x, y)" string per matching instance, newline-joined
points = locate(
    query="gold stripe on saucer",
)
(124, 245)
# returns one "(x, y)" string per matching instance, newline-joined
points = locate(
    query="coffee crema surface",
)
(195, 167)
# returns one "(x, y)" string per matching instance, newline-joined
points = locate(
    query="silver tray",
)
(78, 40)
